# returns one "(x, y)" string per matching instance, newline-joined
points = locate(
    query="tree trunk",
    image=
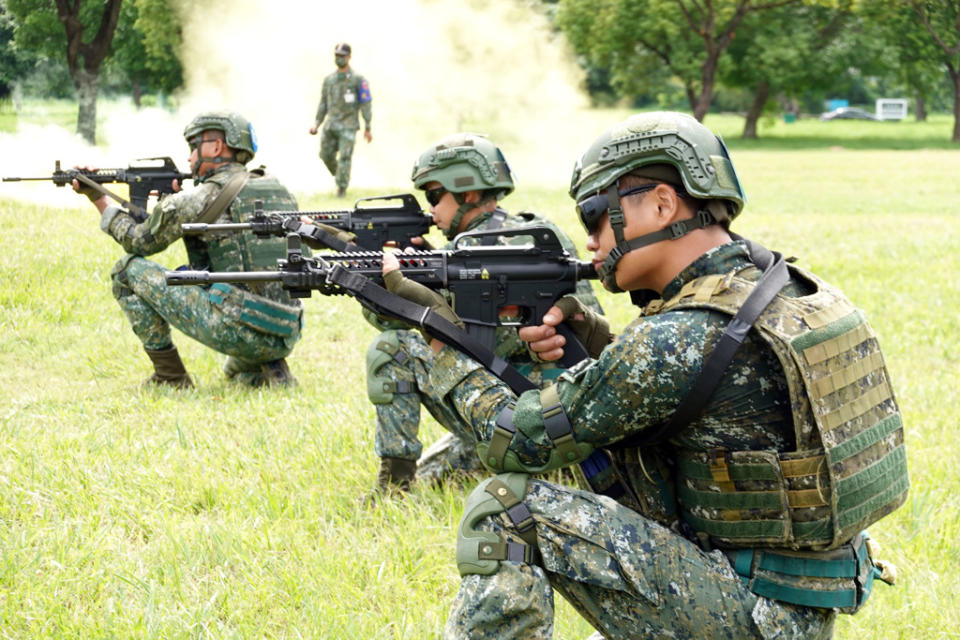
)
(955, 76)
(760, 95)
(137, 93)
(921, 106)
(86, 83)
(86, 75)
(708, 78)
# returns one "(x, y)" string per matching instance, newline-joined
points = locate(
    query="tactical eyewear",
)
(434, 195)
(592, 208)
(199, 140)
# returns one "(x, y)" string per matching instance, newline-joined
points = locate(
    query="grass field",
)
(223, 512)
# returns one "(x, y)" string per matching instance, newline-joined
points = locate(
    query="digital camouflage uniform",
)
(628, 574)
(343, 97)
(744, 520)
(252, 326)
(398, 413)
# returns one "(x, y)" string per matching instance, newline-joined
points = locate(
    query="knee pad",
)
(481, 552)
(118, 276)
(384, 349)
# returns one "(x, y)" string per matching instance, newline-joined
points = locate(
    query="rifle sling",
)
(775, 277)
(224, 198)
(136, 212)
(380, 299)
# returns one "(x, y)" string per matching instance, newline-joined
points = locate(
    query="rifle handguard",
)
(593, 330)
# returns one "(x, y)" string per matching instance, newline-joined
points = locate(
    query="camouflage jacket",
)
(343, 96)
(162, 227)
(639, 380)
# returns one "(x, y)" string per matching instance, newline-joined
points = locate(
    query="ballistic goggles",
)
(592, 208)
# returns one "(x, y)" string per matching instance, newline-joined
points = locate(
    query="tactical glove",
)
(396, 283)
(92, 194)
(340, 234)
(593, 330)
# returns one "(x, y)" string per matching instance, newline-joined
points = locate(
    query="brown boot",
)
(168, 369)
(275, 373)
(394, 478)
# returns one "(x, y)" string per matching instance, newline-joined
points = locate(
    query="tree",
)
(794, 49)
(149, 52)
(85, 32)
(683, 37)
(941, 22)
(14, 62)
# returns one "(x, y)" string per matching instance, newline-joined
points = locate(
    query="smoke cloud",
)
(434, 67)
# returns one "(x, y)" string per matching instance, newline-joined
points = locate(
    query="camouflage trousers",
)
(398, 421)
(336, 151)
(152, 307)
(628, 576)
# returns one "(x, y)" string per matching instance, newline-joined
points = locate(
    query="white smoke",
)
(434, 68)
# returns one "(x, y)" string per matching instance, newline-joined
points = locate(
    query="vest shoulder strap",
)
(224, 198)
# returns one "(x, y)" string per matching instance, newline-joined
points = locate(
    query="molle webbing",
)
(860, 425)
(850, 466)
(245, 251)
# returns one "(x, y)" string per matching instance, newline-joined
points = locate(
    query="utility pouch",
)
(837, 579)
(259, 313)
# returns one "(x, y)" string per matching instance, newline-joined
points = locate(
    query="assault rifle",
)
(144, 176)
(374, 226)
(482, 280)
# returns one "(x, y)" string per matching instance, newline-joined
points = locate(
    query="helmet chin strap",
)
(607, 271)
(195, 167)
(452, 231)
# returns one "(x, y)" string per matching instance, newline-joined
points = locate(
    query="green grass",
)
(228, 513)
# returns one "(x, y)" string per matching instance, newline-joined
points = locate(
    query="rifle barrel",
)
(205, 277)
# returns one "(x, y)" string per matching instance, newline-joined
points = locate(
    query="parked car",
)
(848, 113)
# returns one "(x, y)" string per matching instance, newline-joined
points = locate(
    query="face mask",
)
(341, 61)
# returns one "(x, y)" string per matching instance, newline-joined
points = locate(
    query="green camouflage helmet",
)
(662, 137)
(464, 162)
(237, 130)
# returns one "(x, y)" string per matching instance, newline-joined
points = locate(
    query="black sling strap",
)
(775, 277)
(380, 300)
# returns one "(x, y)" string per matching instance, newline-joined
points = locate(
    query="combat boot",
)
(341, 192)
(275, 373)
(394, 478)
(168, 369)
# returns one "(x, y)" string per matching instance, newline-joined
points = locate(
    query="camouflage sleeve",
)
(637, 382)
(367, 114)
(162, 228)
(322, 106)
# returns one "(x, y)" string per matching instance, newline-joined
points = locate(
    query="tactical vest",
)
(232, 251)
(849, 467)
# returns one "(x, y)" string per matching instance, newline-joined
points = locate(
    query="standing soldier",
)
(734, 440)
(463, 177)
(344, 95)
(256, 326)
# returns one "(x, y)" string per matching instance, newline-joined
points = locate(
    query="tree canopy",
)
(141, 38)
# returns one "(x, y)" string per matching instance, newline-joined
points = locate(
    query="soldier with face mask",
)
(344, 95)
(463, 176)
(256, 326)
(732, 443)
